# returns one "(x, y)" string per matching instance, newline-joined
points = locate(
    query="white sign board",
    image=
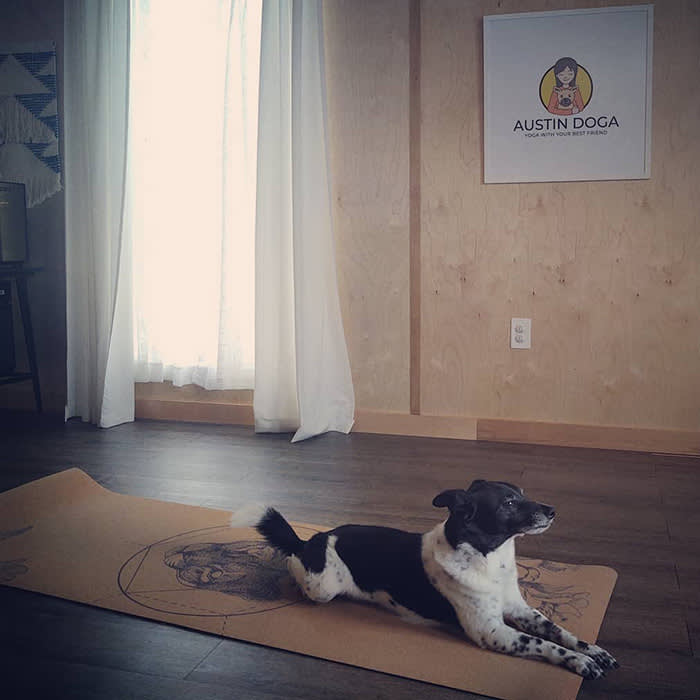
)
(567, 95)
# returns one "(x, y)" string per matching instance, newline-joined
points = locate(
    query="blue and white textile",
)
(29, 119)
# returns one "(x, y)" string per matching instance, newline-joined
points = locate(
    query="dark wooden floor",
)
(638, 513)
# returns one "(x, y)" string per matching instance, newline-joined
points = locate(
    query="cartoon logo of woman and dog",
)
(566, 88)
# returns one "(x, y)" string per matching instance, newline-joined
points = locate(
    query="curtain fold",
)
(98, 262)
(303, 380)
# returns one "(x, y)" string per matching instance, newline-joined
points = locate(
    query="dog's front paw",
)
(585, 666)
(605, 660)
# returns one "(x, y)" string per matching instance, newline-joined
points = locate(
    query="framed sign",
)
(567, 95)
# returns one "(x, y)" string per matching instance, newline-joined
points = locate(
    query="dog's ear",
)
(459, 503)
(449, 499)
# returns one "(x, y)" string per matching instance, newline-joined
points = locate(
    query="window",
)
(191, 181)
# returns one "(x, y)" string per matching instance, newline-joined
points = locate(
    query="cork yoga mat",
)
(67, 536)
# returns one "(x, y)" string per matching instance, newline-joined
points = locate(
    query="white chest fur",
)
(469, 579)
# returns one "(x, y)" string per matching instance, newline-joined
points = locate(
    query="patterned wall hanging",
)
(29, 119)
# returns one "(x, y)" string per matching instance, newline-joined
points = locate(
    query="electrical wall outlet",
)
(521, 333)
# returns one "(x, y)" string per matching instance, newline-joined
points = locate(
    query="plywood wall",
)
(609, 271)
(368, 89)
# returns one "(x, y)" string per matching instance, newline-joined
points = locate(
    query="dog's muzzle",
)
(542, 520)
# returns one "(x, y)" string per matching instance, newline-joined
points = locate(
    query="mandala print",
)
(556, 602)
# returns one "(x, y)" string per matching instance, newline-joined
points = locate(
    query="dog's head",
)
(490, 512)
(565, 96)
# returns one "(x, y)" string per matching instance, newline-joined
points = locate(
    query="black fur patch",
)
(385, 559)
(314, 555)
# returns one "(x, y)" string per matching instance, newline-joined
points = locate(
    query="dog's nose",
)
(549, 512)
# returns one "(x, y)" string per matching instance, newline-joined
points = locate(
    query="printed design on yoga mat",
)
(11, 569)
(204, 573)
(558, 603)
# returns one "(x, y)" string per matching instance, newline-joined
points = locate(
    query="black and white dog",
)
(460, 573)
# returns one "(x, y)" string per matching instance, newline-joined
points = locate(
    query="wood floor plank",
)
(650, 674)
(48, 678)
(100, 638)
(295, 676)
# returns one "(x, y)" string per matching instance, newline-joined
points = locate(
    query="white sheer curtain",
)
(100, 386)
(193, 141)
(303, 379)
(193, 116)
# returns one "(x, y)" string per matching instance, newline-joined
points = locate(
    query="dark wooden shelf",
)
(15, 377)
(18, 273)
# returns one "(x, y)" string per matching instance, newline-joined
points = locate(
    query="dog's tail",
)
(271, 525)
(279, 533)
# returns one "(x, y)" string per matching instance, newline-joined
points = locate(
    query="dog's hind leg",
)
(320, 572)
(311, 583)
(534, 622)
(316, 585)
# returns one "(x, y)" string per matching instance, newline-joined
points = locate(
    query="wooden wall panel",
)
(367, 67)
(608, 271)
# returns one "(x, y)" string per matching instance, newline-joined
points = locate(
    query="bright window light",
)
(191, 181)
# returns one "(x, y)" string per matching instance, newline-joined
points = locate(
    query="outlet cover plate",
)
(521, 333)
